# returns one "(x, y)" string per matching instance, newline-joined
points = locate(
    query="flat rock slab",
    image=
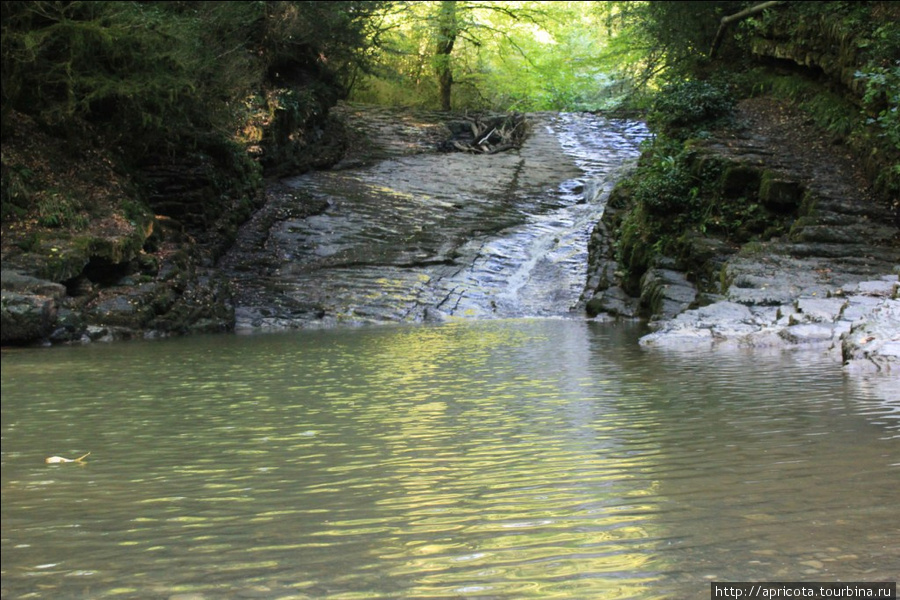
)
(819, 310)
(873, 343)
(862, 329)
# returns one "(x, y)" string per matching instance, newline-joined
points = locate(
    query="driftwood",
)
(59, 459)
(487, 134)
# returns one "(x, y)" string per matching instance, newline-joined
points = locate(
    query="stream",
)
(437, 235)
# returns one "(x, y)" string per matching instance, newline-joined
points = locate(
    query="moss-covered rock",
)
(740, 180)
(774, 195)
(779, 193)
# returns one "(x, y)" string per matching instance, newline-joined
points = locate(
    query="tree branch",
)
(726, 21)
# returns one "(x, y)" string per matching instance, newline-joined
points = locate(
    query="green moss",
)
(780, 194)
(683, 108)
(739, 180)
(808, 205)
(637, 245)
(752, 249)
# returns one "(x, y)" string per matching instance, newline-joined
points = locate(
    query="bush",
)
(666, 187)
(682, 109)
(161, 74)
(147, 73)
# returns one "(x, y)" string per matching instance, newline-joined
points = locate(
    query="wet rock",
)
(762, 295)
(28, 307)
(70, 326)
(884, 288)
(666, 292)
(433, 315)
(740, 180)
(418, 236)
(680, 337)
(818, 310)
(858, 307)
(865, 330)
(706, 326)
(779, 193)
(26, 317)
(808, 334)
(613, 301)
(873, 343)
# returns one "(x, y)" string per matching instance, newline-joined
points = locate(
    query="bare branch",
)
(726, 21)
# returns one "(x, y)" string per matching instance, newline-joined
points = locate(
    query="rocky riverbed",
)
(858, 323)
(401, 231)
(828, 285)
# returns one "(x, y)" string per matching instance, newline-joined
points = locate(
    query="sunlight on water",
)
(507, 459)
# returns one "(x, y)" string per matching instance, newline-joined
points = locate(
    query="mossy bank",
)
(760, 188)
(136, 140)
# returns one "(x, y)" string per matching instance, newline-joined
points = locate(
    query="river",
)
(535, 458)
(481, 441)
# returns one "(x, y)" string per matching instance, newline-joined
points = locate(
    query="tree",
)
(451, 40)
(165, 72)
(447, 32)
(727, 21)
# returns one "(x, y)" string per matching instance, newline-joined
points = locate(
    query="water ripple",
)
(506, 459)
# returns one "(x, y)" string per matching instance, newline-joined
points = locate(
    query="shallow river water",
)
(531, 458)
(433, 235)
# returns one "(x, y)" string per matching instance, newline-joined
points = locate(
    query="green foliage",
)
(678, 194)
(142, 70)
(59, 209)
(666, 187)
(505, 56)
(332, 40)
(882, 99)
(158, 82)
(162, 73)
(829, 110)
(15, 191)
(666, 41)
(636, 246)
(681, 109)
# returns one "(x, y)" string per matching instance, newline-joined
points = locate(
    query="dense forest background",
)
(123, 122)
(254, 77)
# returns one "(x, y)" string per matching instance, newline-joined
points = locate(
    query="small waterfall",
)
(437, 235)
(538, 268)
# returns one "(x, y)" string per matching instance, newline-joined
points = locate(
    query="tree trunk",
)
(448, 29)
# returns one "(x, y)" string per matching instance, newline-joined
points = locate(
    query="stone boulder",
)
(28, 307)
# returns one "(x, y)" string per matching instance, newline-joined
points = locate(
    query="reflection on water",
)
(503, 459)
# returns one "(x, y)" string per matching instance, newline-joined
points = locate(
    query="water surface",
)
(499, 459)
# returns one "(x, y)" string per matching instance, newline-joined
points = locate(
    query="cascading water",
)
(438, 235)
(538, 268)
